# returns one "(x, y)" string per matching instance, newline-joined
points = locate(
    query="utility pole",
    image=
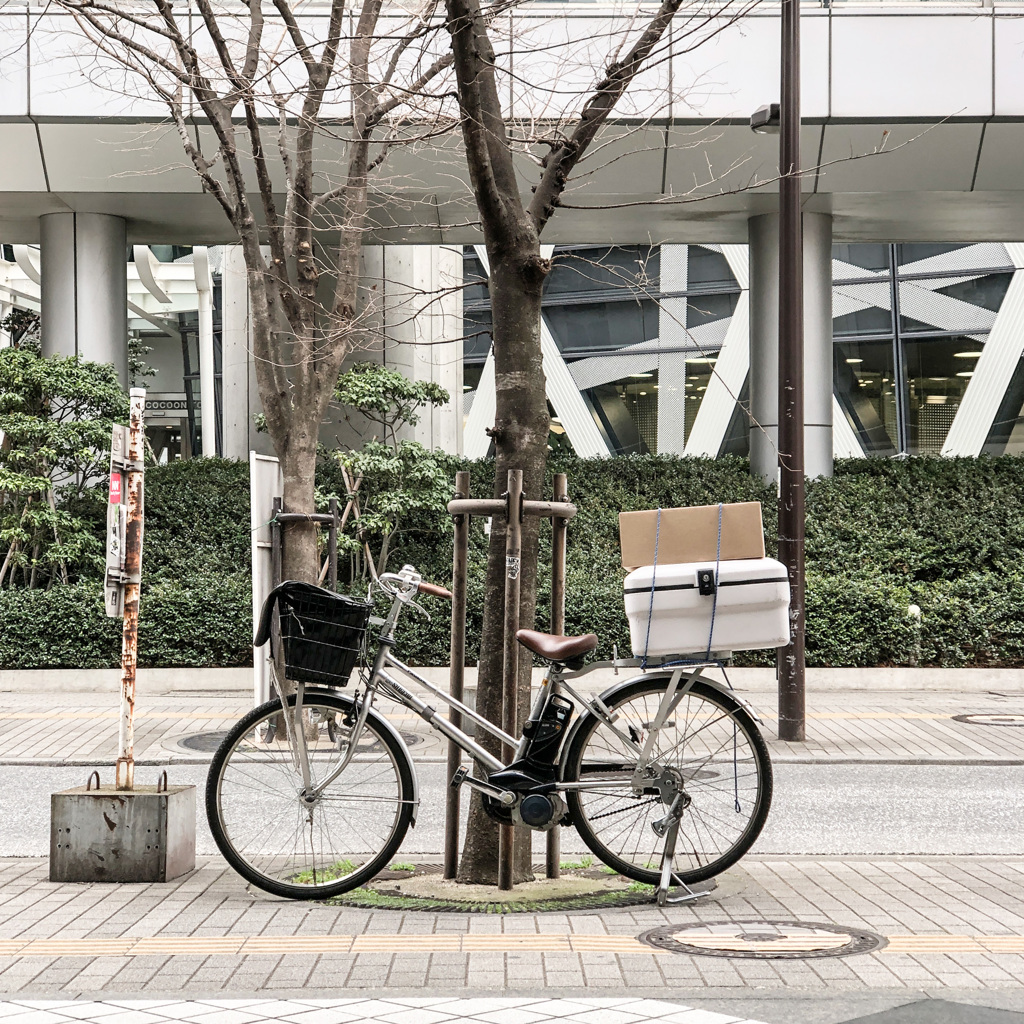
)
(791, 378)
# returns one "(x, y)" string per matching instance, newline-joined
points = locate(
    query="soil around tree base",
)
(425, 888)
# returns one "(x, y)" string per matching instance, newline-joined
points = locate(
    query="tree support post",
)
(510, 674)
(124, 775)
(460, 567)
(514, 507)
(559, 526)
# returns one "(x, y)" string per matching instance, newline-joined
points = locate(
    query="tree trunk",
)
(298, 466)
(520, 437)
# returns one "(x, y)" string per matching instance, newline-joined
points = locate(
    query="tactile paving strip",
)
(761, 938)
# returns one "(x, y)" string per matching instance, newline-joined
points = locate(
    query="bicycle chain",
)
(622, 810)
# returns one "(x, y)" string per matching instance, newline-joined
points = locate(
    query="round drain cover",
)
(763, 940)
(992, 718)
(208, 742)
(203, 742)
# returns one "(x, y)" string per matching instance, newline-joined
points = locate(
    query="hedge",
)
(944, 534)
(205, 622)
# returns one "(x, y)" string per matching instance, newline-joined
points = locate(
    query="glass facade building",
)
(640, 329)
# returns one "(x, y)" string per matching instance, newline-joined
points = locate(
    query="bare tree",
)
(512, 227)
(260, 96)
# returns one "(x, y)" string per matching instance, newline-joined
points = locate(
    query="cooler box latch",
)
(706, 585)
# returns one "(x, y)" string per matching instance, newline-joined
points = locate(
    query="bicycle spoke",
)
(280, 840)
(706, 747)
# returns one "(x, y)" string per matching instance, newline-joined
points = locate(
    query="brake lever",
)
(423, 611)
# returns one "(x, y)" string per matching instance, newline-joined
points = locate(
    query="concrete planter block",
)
(109, 835)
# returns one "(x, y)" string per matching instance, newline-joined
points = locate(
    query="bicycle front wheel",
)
(309, 845)
(709, 748)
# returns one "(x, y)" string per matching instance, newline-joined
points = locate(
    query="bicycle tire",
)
(254, 787)
(725, 769)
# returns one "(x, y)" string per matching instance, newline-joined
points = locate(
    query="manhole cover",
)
(203, 742)
(763, 940)
(996, 718)
(208, 742)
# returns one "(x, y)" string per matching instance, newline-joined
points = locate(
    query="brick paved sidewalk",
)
(853, 725)
(953, 926)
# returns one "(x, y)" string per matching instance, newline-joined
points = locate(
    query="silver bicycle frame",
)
(380, 680)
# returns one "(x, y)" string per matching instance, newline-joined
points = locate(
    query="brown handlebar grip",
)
(434, 590)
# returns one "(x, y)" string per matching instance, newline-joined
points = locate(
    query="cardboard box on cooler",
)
(691, 534)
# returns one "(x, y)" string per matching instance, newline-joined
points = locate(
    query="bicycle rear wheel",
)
(709, 747)
(324, 846)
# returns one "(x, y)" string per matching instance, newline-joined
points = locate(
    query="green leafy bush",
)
(206, 621)
(975, 620)
(55, 421)
(944, 534)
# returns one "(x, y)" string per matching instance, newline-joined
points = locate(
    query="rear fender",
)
(613, 692)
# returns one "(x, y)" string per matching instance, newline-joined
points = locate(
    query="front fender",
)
(381, 724)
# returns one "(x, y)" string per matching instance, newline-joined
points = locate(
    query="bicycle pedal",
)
(459, 777)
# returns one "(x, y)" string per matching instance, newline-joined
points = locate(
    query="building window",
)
(908, 332)
(864, 378)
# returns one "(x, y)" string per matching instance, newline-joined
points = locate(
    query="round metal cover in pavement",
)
(992, 718)
(203, 742)
(208, 742)
(763, 940)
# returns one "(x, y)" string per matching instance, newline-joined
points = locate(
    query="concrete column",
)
(207, 383)
(83, 263)
(235, 354)
(673, 342)
(764, 344)
(423, 332)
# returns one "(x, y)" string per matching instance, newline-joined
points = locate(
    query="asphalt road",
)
(817, 810)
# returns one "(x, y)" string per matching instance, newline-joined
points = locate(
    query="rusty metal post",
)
(791, 659)
(460, 569)
(332, 545)
(125, 771)
(559, 525)
(510, 676)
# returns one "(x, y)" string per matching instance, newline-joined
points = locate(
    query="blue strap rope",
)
(714, 593)
(650, 607)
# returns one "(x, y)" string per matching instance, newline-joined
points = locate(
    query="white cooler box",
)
(752, 609)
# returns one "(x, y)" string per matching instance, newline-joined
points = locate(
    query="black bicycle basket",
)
(322, 632)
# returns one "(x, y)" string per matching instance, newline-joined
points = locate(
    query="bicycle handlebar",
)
(407, 582)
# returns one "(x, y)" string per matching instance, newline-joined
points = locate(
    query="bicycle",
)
(665, 776)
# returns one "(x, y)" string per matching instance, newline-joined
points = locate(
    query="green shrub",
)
(65, 627)
(207, 621)
(975, 620)
(857, 620)
(197, 518)
(945, 534)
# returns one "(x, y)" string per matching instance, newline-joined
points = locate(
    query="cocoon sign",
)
(691, 534)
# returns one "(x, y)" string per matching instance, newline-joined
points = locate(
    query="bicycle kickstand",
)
(684, 893)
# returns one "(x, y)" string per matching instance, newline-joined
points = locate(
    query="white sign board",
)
(113, 586)
(266, 482)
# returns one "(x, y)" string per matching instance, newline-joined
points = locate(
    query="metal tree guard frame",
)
(513, 507)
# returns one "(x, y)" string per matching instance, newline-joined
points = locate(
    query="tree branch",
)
(488, 154)
(619, 75)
